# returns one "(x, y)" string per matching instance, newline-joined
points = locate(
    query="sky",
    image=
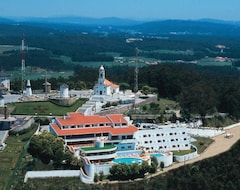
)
(132, 9)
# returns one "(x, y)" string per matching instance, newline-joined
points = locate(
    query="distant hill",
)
(188, 27)
(161, 27)
(108, 21)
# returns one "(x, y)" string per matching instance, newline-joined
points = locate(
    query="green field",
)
(168, 51)
(212, 62)
(44, 108)
(127, 61)
(12, 155)
(40, 75)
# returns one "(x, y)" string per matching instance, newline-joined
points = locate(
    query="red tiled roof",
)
(91, 130)
(109, 83)
(117, 118)
(80, 119)
(3, 88)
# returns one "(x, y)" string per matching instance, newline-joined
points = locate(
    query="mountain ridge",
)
(156, 27)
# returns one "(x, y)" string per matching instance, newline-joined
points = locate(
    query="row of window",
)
(165, 147)
(93, 125)
(165, 134)
(164, 140)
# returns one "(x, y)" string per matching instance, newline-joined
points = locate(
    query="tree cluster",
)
(132, 171)
(47, 147)
(201, 90)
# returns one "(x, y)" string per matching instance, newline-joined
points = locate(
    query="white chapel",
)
(104, 86)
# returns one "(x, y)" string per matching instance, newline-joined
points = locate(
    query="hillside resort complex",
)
(101, 141)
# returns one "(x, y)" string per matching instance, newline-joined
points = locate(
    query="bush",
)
(96, 177)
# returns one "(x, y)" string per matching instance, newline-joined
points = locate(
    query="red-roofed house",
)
(81, 130)
(104, 86)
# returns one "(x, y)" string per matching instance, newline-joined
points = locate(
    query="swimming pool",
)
(157, 155)
(127, 160)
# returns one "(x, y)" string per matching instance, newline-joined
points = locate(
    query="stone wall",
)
(124, 108)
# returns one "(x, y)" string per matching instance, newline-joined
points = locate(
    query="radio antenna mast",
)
(23, 62)
(136, 71)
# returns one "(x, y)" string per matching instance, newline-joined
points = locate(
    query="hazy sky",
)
(134, 9)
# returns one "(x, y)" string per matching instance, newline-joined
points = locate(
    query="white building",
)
(28, 89)
(64, 91)
(4, 83)
(157, 138)
(104, 86)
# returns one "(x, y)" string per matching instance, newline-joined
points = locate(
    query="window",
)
(183, 132)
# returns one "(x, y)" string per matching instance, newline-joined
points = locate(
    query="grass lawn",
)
(202, 143)
(183, 152)
(160, 106)
(9, 158)
(44, 108)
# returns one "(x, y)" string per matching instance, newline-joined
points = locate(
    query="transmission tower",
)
(136, 70)
(23, 63)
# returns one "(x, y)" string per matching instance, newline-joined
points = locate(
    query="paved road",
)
(220, 145)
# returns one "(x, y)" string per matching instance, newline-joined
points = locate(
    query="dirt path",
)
(220, 145)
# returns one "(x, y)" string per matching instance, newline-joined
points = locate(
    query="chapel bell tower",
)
(101, 77)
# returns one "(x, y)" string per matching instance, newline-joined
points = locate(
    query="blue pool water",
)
(127, 160)
(158, 155)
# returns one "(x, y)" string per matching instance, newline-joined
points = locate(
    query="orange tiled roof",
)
(117, 118)
(91, 130)
(80, 119)
(109, 83)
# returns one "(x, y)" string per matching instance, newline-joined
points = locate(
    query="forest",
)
(198, 89)
(202, 90)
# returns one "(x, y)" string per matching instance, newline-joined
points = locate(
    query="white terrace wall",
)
(53, 173)
(186, 156)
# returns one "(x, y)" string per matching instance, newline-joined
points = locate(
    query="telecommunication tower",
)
(23, 62)
(136, 70)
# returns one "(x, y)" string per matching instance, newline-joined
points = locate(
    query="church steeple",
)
(101, 76)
